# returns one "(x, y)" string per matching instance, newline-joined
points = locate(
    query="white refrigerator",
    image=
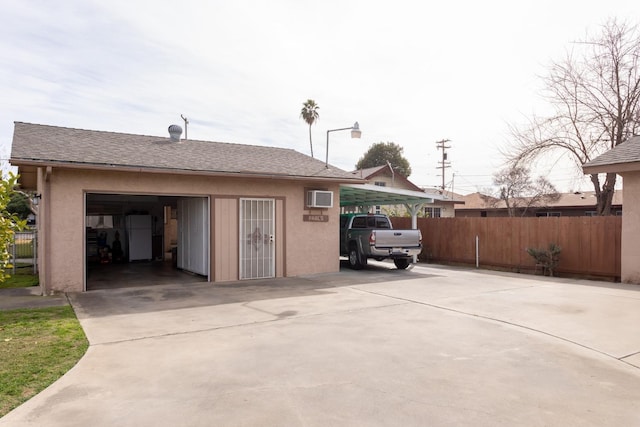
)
(139, 234)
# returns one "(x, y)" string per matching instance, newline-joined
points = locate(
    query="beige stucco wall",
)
(308, 247)
(225, 247)
(630, 253)
(447, 209)
(389, 182)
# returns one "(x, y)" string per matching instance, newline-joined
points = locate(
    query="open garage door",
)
(193, 235)
(143, 239)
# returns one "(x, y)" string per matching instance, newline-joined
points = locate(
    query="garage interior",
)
(138, 240)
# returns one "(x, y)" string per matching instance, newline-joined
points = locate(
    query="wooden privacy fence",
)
(590, 245)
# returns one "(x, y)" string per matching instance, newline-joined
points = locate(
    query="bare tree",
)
(595, 92)
(519, 192)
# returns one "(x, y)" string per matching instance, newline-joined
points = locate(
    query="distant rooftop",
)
(576, 199)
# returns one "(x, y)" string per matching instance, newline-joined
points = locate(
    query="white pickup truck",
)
(364, 236)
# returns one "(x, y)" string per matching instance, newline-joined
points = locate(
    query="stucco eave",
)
(612, 168)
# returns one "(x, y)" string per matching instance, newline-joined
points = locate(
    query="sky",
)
(408, 72)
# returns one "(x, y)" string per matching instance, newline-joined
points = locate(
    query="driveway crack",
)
(629, 355)
(506, 322)
(277, 318)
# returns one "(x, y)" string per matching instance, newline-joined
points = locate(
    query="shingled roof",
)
(624, 157)
(35, 144)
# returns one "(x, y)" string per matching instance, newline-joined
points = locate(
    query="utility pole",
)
(444, 163)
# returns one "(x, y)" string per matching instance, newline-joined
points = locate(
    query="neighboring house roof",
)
(477, 201)
(566, 200)
(624, 157)
(371, 173)
(446, 196)
(583, 199)
(368, 172)
(42, 145)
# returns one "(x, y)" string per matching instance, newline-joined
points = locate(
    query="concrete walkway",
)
(31, 297)
(380, 347)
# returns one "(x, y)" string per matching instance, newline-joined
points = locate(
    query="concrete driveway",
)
(380, 347)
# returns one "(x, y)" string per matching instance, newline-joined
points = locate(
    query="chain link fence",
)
(24, 251)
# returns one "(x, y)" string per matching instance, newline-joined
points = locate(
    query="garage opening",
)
(139, 240)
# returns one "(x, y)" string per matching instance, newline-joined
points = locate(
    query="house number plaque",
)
(315, 218)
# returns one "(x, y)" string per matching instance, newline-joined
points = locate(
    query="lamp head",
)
(355, 131)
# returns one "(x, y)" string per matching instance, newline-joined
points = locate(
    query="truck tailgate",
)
(397, 238)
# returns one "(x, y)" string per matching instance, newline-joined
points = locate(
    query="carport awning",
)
(374, 195)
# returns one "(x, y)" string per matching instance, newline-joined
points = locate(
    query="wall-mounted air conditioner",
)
(319, 199)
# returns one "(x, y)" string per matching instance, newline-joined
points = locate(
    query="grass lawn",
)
(22, 279)
(37, 346)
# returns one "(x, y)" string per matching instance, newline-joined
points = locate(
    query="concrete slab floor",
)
(434, 347)
(137, 274)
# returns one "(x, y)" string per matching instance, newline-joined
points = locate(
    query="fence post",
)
(477, 252)
(34, 242)
(13, 254)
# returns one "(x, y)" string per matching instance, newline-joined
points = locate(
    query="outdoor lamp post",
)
(355, 133)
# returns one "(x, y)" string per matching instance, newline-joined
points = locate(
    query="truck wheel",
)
(355, 260)
(402, 263)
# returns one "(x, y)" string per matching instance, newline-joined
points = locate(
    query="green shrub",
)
(547, 258)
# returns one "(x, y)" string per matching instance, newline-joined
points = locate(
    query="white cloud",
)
(409, 72)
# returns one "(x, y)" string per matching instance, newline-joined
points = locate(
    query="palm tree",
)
(309, 114)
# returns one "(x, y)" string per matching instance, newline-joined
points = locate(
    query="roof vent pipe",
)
(174, 133)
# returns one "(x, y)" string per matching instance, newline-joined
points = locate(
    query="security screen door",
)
(257, 231)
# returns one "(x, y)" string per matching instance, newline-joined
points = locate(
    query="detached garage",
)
(115, 205)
